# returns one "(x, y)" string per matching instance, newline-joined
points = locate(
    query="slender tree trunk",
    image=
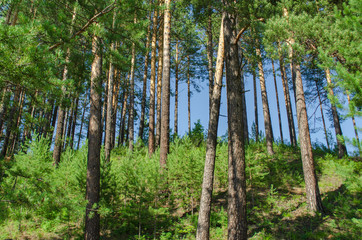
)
(311, 184)
(159, 83)
(203, 225)
(210, 54)
(104, 111)
(16, 134)
(82, 122)
(245, 115)
(151, 123)
(188, 94)
(277, 98)
(165, 117)
(341, 147)
(256, 108)
(288, 105)
(131, 98)
(92, 221)
(264, 98)
(115, 108)
(124, 113)
(237, 223)
(3, 108)
(74, 124)
(323, 121)
(177, 62)
(144, 88)
(354, 126)
(109, 121)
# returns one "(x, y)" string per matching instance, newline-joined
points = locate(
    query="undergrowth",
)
(141, 201)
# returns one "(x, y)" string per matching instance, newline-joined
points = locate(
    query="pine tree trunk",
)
(245, 115)
(74, 123)
(277, 98)
(109, 121)
(16, 134)
(159, 83)
(82, 122)
(144, 88)
(355, 127)
(188, 94)
(237, 223)
(151, 123)
(165, 115)
(288, 105)
(203, 224)
(176, 88)
(256, 108)
(311, 184)
(115, 108)
(92, 219)
(264, 98)
(131, 97)
(210, 54)
(323, 121)
(341, 147)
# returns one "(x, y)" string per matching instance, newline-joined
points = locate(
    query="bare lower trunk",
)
(151, 123)
(115, 108)
(165, 118)
(277, 98)
(245, 115)
(210, 55)
(144, 88)
(92, 219)
(176, 89)
(323, 121)
(203, 224)
(237, 223)
(311, 184)
(81, 123)
(264, 98)
(337, 126)
(109, 121)
(256, 108)
(354, 126)
(188, 94)
(159, 86)
(288, 105)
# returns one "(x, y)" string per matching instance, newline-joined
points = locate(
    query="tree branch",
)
(90, 21)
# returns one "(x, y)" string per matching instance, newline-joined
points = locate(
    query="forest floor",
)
(48, 203)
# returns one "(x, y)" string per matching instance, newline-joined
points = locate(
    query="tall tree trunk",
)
(109, 121)
(104, 111)
(131, 97)
(256, 107)
(177, 62)
(264, 98)
(355, 127)
(288, 105)
(3, 108)
(151, 123)
(188, 94)
(341, 147)
(245, 114)
(92, 219)
(115, 108)
(277, 98)
(74, 123)
(210, 55)
(311, 184)
(58, 141)
(144, 88)
(82, 122)
(124, 113)
(16, 134)
(237, 223)
(159, 82)
(165, 118)
(323, 121)
(203, 224)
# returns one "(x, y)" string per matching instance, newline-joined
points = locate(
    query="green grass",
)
(139, 201)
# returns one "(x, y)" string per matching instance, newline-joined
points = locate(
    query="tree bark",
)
(288, 105)
(92, 221)
(115, 107)
(311, 184)
(165, 118)
(256, 108)
(210, 54)
(264, 98)
(144, 88)
(323, 121)
(177, 62)
(337, 126)
(188, 94)
(82, 122)
(355, 127)
(237, 224)
(245, 114)
(151, 123)
(159, 82)
(277, 98)
(203, 225)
